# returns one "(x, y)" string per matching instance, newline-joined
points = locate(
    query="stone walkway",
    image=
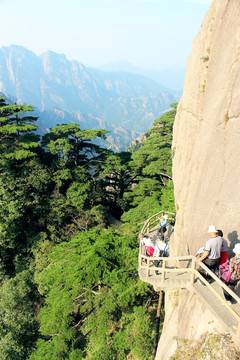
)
(178, 280)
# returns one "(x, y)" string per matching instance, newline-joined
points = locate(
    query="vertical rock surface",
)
(186, 317)
(206, 138)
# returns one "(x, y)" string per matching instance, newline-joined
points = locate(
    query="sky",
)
(151, 34)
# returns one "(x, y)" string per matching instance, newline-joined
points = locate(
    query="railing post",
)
(238, 328)
(193, 270)
(148, 265)
(163, 269)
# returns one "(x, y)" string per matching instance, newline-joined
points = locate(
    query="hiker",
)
(164, 220)
(224, 250)
(147, 241)
(161, 250)
(212, 252)
(234, 268)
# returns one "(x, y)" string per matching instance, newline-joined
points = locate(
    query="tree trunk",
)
(158, 317)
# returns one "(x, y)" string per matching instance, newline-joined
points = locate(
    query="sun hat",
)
(236, 248)
(212, 229)
(165, 216)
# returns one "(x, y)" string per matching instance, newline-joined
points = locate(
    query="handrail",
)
(148, 223)
(146, 263)
(192, 271)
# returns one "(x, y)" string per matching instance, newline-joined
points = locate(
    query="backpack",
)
(163, 253)
(225, 272)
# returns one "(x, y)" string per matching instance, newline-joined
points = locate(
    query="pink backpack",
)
(225, 272)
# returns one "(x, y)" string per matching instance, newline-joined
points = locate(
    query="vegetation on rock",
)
(210, 346)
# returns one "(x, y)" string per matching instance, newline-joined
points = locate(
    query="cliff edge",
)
(206, 168)
(206, 137)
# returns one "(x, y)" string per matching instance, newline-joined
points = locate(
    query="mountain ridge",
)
(170, 78)
(50, 81)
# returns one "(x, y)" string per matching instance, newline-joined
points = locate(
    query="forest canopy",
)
(69, 282)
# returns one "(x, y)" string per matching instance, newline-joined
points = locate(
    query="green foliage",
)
(167, 198)
(94, 298)
(72, 144)
(128, 229)
(154, 157)
(17, 140)
(153, 190)
(52, 195)
(143, 211)
(23, 201)
(18, 325)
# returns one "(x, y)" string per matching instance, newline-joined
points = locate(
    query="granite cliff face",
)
(206, 169)
(206, 152)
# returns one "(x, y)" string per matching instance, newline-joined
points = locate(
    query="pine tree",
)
(17, 138)
(94, 300)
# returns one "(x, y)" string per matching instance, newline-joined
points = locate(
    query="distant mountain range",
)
(64, 91)
(171, 78)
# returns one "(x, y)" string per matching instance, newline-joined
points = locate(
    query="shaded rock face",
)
(187, 317)
(184, 322)
(206, 138)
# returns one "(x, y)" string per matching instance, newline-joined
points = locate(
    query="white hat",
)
(236, 248)
(165, 216)
(212, 229)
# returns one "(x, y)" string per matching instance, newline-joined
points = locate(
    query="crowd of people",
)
(214, 255)
(159, 248)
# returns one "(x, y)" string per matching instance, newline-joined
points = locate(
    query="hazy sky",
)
(152, 34)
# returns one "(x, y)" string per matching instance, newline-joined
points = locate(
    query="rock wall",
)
(206, 161)
(206, 138)
(188, 318)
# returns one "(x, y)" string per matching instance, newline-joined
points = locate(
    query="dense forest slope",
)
(126, 104)
(69, 287)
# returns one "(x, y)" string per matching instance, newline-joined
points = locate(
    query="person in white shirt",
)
(146, 240)
(161, 250)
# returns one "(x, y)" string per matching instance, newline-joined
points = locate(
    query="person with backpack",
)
(161, 250)
(234, 268)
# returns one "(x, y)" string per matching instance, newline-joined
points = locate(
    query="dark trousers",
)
(212, 264)
(231, 284)
(162, 230)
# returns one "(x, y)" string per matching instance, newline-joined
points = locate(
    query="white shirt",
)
(161, 246)
(147, 241)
